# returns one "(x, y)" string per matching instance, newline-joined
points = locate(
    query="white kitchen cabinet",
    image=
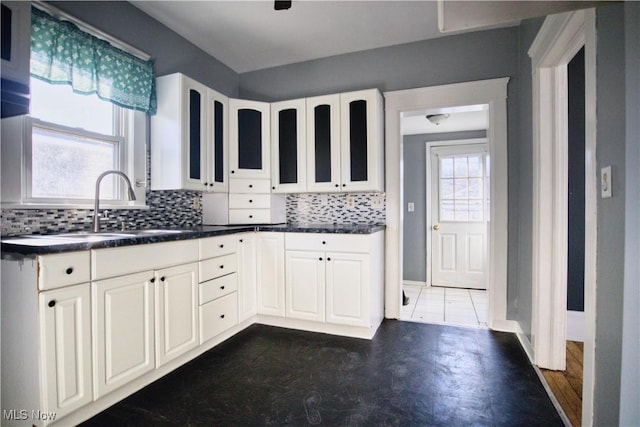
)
(347, 288)
(65, 316)
(249, 139)
(247, 276)
(305, 285)
(345, 150)
(176, 312)
(323, 143)
(189, 137)
(123, 329)
(361, 124)
(270, 269)
(335, 278)
(288, 146)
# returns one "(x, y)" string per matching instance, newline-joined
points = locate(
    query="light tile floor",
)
(446, 305)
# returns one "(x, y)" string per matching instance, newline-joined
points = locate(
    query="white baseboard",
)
(413, 283)
(575, 325)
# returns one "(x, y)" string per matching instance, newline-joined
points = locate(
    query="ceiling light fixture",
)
(436, 119)
(282, 4)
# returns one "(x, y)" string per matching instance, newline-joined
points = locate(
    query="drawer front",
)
(216, 288)
(216, 246)
(327, 242)
(217, 267)
(114, 262)
(249, 216)
(56, 271)
(249, 201)
(218, 316)
(250, 186)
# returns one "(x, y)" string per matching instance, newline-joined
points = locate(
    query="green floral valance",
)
(61, 53)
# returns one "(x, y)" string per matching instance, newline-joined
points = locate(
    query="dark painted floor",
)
(410, 374)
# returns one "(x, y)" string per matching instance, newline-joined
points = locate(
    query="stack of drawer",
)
(251, 202)
(217, 270)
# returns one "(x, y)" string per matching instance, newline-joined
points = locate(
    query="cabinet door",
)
(123, 314)
(249, 139)
(347, 289)
(304, 285)
(288, 149)
(218, 142)
(194, 135)
(361, 128)
(323, 143)
(270, 256)
(247, 276)
(176, 311)
(65, 327)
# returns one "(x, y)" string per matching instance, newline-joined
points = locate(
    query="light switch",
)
(411, 207)
(605, 182)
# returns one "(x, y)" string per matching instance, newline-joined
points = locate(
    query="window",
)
(88, 114)
(461, 188)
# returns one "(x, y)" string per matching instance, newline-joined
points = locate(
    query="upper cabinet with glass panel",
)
(249, 139)
(288, 147)
(196, 116)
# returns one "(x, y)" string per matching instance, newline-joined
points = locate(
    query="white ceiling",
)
(466, 118)
(251, 35)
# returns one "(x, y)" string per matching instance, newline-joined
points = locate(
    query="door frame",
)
(559, 39)
(428, 183)
(492, 92)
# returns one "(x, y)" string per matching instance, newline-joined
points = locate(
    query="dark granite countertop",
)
(41, 244)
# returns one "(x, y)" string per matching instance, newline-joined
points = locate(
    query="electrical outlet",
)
(351, 202)
(324, 200)
(196, 202)
(377, 201)
(411, 207)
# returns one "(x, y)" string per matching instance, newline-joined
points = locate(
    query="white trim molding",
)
(559, 39)
(492, 92)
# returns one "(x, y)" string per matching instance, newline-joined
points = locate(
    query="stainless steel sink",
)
(152, 232)
(110, 235)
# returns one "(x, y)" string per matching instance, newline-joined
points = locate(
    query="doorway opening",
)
(446, 212)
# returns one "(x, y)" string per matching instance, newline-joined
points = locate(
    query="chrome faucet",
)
(96, 208)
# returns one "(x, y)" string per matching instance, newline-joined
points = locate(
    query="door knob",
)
(436, 227)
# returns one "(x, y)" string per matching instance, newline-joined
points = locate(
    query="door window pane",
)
(461, 188)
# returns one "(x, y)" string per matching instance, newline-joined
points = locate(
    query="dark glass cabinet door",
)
(288, 151)
(218, 146)
(195, 135)
(249, 139)
(362, 155)
(323, 142)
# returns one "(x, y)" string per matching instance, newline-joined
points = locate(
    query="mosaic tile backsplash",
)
(340, 208)
(167, 209)
(175, 209)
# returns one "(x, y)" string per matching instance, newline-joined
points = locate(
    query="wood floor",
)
(567, 385)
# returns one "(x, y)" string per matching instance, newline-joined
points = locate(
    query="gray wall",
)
(521, 306)
(630, 381)
(610, 75)
(414, 190)
(171, 52)
(461, 58)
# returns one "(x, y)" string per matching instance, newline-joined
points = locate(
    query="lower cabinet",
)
(65, 327)
(218, 315)
(123, 329)
(247, 276)
(270, 265)
(328, 287)
(176, 312)
(305, 285)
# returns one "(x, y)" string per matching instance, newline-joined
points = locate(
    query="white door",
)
(348, 284)
(459, 209)
(304, 285)
(66, 336)
(176, 311)
(123, 328)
